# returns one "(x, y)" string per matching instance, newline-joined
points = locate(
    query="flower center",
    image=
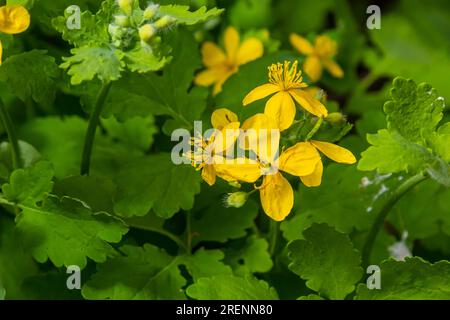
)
(285, 75)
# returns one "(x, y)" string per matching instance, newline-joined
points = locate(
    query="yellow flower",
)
(13, 19)
(222, 65)
(288, 85)
(208, 152)
(277, 196)
(332, 151)
(318, 56)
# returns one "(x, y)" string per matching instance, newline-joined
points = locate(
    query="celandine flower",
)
(208, 152)
(13, 19)
(332, 151)
(277, 196)
(318, 56)
(222, 65)
(287, 84)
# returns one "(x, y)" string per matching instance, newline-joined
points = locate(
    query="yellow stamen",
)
(286, 76)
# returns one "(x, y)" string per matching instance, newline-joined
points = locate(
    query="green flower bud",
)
(150, 12)
(121, 20)
(336, 118)
(126, 6)
(234, 184)
(236, 199)
(114, 30)
(164, 22)
(146, 32)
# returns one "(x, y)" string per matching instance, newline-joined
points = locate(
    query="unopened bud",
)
(122, 20)
(164, 22)
(234, 184)
(125, 5)
(235, 199)
(150, 12)
(336, 118)
(114, 30)
(146, 32)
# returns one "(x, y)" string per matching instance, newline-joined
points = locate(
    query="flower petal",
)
(300, 159)
(309, 103)
(315, 178)
(251, 49)
(260, 93)
(212, 54)
(231, 43)
(226, 137)
(207, 77)
(281, 108)
(14, 19)
(301, 44)
(209, 174)
(313, 68)
(335, 152)
(240, 169)
(333, 68)
(222, 117)
(223, 77)
(277, 197)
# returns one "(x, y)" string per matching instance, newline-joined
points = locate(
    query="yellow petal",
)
(315, 178)
(231, 43)
(212, 54)
(14, 19)
(226, 137)
(207, 77)
(325, 46)
(309, 103)
(251, 49)
(333, 68)
(260, 93)
(222, 117)
(299, 160)
(240, 169)
(277, 197)
(209, 174)
(313, 68)
(301, 44)
(335, 152)
(281, 108)
(262, 136)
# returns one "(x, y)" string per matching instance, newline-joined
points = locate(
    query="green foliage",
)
(327, 260)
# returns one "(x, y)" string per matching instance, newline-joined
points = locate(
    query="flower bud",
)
(150, 12)
(125, 5)
(235, 199)
(114, 30)
(121, 20)
(336, 118)
(164, 22)
(234, 184)
(146, 32)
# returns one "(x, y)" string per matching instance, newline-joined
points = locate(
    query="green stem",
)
(384, 211)
(13, 141)
(92, 128)
(168, 234)
(274, 230)
(315, 129)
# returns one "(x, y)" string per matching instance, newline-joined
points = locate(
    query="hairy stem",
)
(274, 230)
(13, 141)
(315, 129)
(92, 128)
(384, 211)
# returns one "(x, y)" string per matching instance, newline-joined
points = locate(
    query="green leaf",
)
(390, 152)
(51, 285)
(149, 273)
(184, 16)
(86, 63)
(414, 111)
(30, 185)
(413, 279)
(155, 183)
(252, 256)
(66, 232)
(229, 287)
(218, 223)
(327, 260)
(143, 60)
(311, 297)
(31, 75)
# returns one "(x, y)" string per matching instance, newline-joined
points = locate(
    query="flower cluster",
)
(257, 143)
(14, 19)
